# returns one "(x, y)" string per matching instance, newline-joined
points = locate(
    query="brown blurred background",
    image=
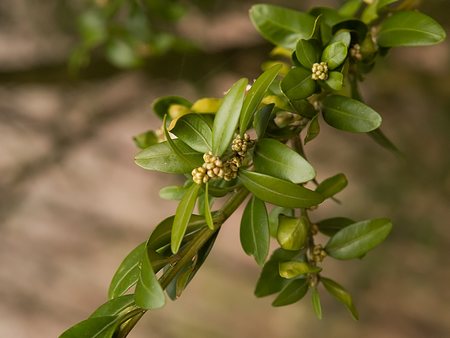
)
(73, 204)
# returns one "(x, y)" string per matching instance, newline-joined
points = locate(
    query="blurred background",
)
(73, 203)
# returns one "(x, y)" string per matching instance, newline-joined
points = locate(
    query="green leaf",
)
(330, 16)
(350, 8)
(308, 52)
(304, 108)
(92, 25)
(348, 114)
(194, 130)
(355, 26)
(274, 158)
(279, 192)
(160, 157)
(359, 238)
(254, 232)
(227, 117)
(122, 54)
(161, 235)
(114, 306)
(340, 294)
(149, 293)
(335, 81)
(208, 216)
(270, 281)
(145, 140)
(315, 298)
(98, 327)
(331, 226)
(342, 36)
(183, 215)
(292, 292)
(384, 3)
(292, 232)
(410, 28)
(261, 120)
(172, 192)
(273, 218)
(127, 274)
(332, 185)
(255, 96)
(298, 84)
(281, 26)
(334, 54)
(379, 137)
(313, 129)
(161, 105)
(294, 269)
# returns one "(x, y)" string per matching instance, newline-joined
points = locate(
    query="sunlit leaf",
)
(332, 185)
(195, 130)
(294, 269)
(340, 294)
(292, 232)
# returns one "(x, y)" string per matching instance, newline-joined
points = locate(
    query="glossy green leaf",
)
(208, 216)
(304, 108)
(278, 191)
(340, 294)
(315, 299)
(172, 192)
(114, 306)
(160, 157)
(335, 81)
(274, 158)
(410, 28)
(127, 274)
(161, 105)
(292, 292)
(98, 327)
(332, 185)
(281, 26)
(292, 232)
(357, 27)
(359, 238)
(342, 36)
(308, 52)
(294, 269)
(262, 118)
(334, 54)
(331, 226)
(254, 231)
(183, 215)
(298, 84)
(227, 117)
(313, 129)
(350, 8)
(273, 218)
(255, 95)
(149, 293)
(145, 140)
(270, 280)
(195, 130)
(348, 114)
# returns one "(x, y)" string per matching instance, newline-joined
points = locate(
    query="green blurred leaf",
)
(329, 16)
(270, 280)
(292, 292)
(261, 120)
(342, 36)
(227, 117)
(292, 232)
(98, 327)
(313, 129)
(93, 27)
(255, 95)
(127, 274)
(348, 114)
(162, 104)
(298, 84)
(183, 215)
(146, 139)
(172, 192)
(308, 52)
(273, 218)
(122, 54)
(410, 28)
(359, 238)
(335, 81)
(114, 306)
(294, 269)
(281, 26)
(317, 307)
(332, 185)
(331, 226)
(274, 158)
(379, 137)
(208, 216)
(149, 293)
(384, 3)
(304, 108)
(334, 54)
(160, 157)
(195, 130)
(340, 294)
(279, 192)
(357, 27)
(254, 231)
(350, 8)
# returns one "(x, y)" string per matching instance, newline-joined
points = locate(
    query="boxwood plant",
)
(248, 148)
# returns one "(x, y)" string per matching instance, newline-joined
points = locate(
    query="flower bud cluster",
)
(320, 71)
(355, 52)
(240, 145)
(318, 253)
